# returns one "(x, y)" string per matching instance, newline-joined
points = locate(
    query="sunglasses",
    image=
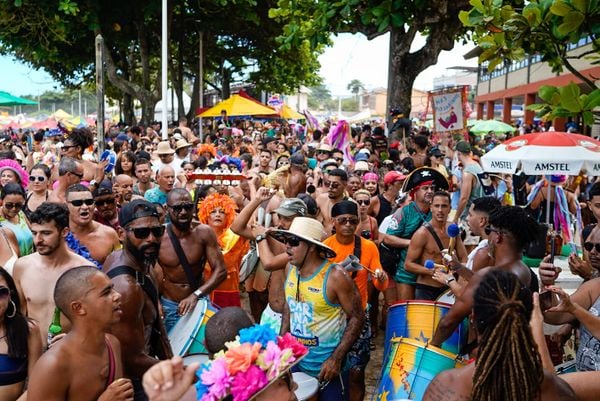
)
(80, 175)
(339, 159)
(188, 207)
(103, 202)
(347, 220)
(80, 202)
(332, 184)
(17, 206)
(322, 152)
(144, 232)
(67, 147)
(592, 245)
(33, 178)
(291, 241)
(4, 292)
(364, 202)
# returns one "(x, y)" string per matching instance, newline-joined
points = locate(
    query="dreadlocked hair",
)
(508, 365)
(515, 220)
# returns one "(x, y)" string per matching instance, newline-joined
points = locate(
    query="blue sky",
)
(351, 57)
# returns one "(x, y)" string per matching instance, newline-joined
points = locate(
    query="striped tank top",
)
(314, 321)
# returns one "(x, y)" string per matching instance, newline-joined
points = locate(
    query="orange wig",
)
(214, 201)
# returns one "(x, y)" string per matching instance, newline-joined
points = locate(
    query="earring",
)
(14, 312)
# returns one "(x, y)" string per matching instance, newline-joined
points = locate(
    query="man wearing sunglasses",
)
(35, 274)
(70, 172)
(107, 212)
(183, 253)
(345, 243)
(336, 192)
(132, 271)
(98, 239)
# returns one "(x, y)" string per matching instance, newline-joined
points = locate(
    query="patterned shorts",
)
(360, 353)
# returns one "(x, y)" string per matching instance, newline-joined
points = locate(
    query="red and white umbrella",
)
(545, 153)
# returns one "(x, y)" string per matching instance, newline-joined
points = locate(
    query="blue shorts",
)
(171, 317)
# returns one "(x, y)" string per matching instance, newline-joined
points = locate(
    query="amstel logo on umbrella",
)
(514, 145)
(589, 145)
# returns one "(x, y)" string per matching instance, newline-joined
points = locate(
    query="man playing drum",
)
(427, 244)
(183, 251)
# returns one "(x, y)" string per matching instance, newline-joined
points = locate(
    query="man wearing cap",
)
(97, 239)
(265, 287)
(421, 185)
(382, 205)
(165, 178)
(323, 307)
(183, 251)
(345, 243)
(106, 206)
(361, 167)
(336, 192)
(470, 187)
(296, 181)
(141, 331)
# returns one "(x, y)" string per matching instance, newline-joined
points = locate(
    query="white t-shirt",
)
(482, 244)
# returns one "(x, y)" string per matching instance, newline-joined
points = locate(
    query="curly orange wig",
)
(206, 148)
(214, 201)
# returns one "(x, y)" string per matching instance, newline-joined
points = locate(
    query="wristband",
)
(198, 293)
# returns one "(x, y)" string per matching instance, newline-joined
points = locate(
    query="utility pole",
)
(100, 93)
(164, 55)
(201, 86)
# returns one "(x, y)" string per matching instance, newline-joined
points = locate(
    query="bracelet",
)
(449, 280)
(198, 293)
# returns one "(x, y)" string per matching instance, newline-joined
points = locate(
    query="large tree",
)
(404, 20)
(239, 38)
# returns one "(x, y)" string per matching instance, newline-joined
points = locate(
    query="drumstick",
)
(260, 216)
(429, 264)
(453, 232)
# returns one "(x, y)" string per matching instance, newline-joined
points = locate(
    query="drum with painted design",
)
(187, 336)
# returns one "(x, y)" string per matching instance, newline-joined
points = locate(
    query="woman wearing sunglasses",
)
(367, 225)
(13, 217)
(39, 189)
(20, 341)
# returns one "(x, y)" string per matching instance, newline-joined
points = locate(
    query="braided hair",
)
(508, 365)
(515, 220)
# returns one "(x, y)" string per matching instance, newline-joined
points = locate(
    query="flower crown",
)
(255, 359)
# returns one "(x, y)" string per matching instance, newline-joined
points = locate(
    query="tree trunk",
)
(195, 103)
(148, 105)
(128, 112)
(226, 84)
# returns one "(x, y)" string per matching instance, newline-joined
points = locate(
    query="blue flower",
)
(259, 333)
(201, 388)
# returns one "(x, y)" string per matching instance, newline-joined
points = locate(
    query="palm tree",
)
(355, 86)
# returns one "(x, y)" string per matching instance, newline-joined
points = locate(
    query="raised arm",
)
(214, 257)
(240, 224)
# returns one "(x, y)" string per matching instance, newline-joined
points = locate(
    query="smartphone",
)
(548, 300)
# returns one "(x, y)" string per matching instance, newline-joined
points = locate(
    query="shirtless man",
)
(336, 184)
(423, 247)
(99, 239)
(510, 230)
(36, 274)
(264, 166)
(70, 172)
(140, 331)
(88, 359)
(271, 253)
(180, 292)
(296, 180)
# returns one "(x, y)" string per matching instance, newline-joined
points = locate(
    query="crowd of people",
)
(302, 243)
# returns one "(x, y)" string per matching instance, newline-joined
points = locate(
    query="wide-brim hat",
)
(424, 174)
(182, 143)
(306, 229)
(164, 148)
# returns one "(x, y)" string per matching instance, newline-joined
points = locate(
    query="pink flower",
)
(288, 341)
(246, 384)
(217, 379)
(240, 358)
(270, 360)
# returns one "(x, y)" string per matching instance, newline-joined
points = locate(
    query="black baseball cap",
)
(136, 209)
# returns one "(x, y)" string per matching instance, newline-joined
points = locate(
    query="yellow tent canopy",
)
(288, 113)
(237, 105)
(60, 114)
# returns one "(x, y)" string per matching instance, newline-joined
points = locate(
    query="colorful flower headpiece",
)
(256, 359)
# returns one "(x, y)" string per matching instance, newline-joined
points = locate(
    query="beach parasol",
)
(6, 99)
(545, 153)
(290, 114)
(238, 105)
(485, 126)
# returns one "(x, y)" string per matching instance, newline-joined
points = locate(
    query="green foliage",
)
(513, 30)
(355, 86)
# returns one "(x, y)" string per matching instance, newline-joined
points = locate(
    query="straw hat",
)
(182, 143)
(164, 148)
(306, 229)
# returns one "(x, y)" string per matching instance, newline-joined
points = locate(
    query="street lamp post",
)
(164, 54)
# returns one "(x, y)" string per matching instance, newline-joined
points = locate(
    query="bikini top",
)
(12, 370)
(9, 264)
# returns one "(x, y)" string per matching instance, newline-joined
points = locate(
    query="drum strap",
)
(182, 258)
(140, 278)
(356, 252)
(437, 239)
